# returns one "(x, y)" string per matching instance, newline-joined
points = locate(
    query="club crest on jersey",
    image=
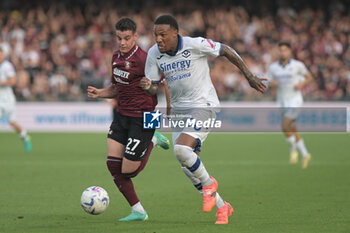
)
(127, 65)
(186, 53)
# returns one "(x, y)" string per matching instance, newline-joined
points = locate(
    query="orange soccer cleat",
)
(223, 213)
(209, 195)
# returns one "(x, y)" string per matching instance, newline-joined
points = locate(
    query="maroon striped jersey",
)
(127, 71)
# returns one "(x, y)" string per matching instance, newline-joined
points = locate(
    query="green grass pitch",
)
(40, 191)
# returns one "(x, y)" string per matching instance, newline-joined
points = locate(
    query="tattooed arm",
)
(235, 59)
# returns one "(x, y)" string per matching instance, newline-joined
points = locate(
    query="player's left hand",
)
(258, 83)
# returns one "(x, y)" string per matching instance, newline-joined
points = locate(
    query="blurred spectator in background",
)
(61, 48)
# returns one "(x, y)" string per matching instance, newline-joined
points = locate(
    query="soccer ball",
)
(94, 200)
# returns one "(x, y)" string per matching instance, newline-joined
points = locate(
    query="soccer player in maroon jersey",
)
(129, 145)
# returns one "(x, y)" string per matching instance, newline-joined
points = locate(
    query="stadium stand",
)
(59, 49)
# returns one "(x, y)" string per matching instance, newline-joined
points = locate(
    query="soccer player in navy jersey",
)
(129, 145)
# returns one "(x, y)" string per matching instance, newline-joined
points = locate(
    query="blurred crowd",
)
(59, 48)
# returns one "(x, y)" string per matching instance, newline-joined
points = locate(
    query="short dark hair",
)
(284, 43)
(125, 24)
(167, 19)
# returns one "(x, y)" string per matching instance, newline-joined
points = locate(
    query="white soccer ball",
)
(94, 200)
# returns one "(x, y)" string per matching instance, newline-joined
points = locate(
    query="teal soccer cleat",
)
(28, 144)
(162, 141)
(135, 216)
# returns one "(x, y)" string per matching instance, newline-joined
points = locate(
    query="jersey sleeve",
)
(113, 82)
(302, 69)
(207, 46)
(10, 70)
(151, 68)
(162, 79)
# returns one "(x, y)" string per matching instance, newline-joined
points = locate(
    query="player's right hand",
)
(258, 83)
(145, 83)
(93, 92)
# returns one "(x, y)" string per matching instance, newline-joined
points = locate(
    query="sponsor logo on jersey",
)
(178, 77)
(175, 66)
(284, 76)
(121, 73)
(117, 79)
